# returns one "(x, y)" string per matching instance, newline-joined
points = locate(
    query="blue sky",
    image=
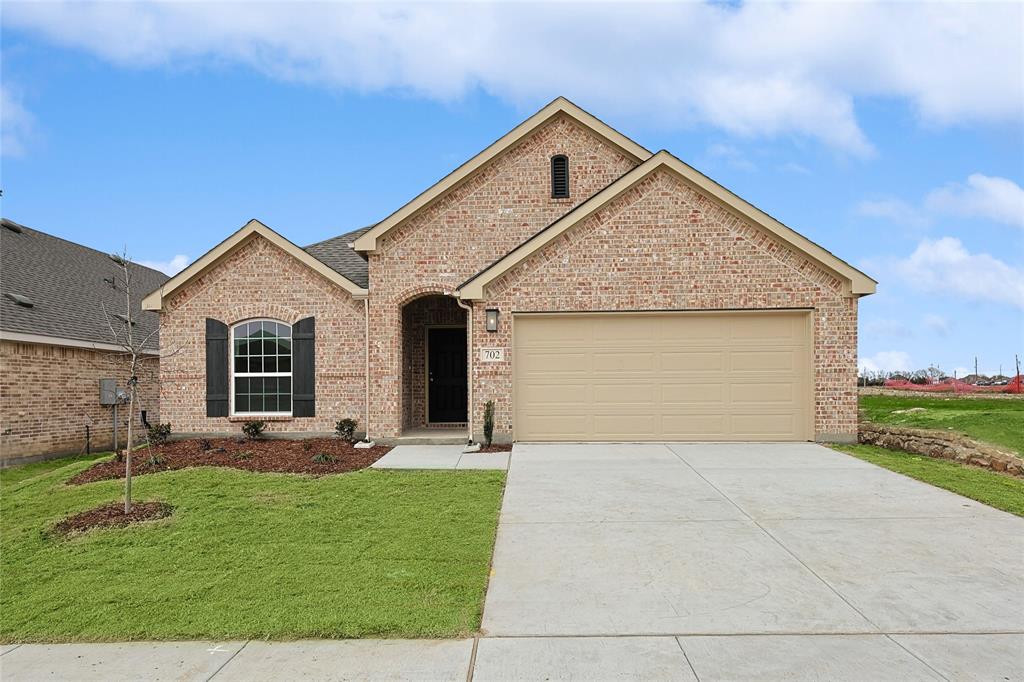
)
(892, 135)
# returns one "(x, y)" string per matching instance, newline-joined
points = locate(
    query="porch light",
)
(491, 319)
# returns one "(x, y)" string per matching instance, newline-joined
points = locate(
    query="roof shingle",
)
(336, 254)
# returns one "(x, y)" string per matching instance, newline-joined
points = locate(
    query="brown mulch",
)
(268, 455)
(507, 447)
(112, 516)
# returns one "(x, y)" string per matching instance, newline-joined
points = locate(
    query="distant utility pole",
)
(975, 365)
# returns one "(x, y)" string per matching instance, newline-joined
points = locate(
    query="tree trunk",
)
(128, 456)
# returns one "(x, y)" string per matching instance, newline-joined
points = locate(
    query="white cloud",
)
(938, 324)
(793, 167)
(730, 156)
(168, 267)
(893, 210)
(944, 266)
(669, 64)
(17, 124)
(885, 361)
(983, 196)
(888, 328)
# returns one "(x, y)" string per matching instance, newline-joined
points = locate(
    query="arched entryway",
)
(434, 376)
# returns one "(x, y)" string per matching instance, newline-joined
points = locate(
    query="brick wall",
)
(49, 394)
(663, 246)
(258, 280)
(460, 233)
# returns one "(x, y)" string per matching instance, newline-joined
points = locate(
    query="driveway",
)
(757, 548)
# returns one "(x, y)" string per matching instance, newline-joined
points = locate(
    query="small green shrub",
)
(155, 459)
(489, 422)
(324, 458)
(158, 433)
(253, 430)
(346, 429)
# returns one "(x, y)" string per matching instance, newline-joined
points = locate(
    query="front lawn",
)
(249, 555)
(999, 421)
(988, 487)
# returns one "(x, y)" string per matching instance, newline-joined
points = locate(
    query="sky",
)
(891, 134)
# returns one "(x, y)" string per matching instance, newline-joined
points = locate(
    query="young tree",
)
(134, 353)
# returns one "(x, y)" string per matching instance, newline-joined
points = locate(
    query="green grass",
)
(988, 487)
(17, 474)
(248, 555)
(999, 421)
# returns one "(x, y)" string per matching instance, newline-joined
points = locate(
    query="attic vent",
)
(123, 318)
(117, 259)
(559, 176)
(12, 226)
(23, 301)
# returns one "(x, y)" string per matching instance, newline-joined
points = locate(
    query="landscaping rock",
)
(941, 445)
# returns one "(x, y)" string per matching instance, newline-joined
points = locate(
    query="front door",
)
(446, 374)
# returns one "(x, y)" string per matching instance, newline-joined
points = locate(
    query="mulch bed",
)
(112, 516)
(507, 447)
(269, 455)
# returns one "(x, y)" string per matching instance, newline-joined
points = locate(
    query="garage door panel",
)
(662, 376)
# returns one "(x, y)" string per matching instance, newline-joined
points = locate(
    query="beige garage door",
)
(663, 376)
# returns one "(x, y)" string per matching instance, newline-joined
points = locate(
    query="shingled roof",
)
(336, 254)
(67, 286)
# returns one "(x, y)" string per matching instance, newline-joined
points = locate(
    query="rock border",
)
(941, 445)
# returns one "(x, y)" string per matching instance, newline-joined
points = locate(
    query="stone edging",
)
(941, 445)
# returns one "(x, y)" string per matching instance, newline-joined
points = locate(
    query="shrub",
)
(243, 454)
(324, 458)
(346, 428)
(253, 430)
(489, 422)
(155, 459)
(158, 433)
(204, 444)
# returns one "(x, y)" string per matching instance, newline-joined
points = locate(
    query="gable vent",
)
(559, 176)
(23, 301)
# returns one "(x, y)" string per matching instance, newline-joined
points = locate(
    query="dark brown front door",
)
(446, 374)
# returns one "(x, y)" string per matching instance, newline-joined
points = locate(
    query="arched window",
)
(559, 176)
(261, 362)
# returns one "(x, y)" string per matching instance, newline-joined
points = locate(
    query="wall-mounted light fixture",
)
(491, 319)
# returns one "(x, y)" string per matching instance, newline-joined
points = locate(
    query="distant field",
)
(998, 421)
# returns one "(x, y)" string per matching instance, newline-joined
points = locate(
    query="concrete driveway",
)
(769, 556)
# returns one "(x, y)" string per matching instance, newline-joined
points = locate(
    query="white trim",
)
(231, 372)
(19, 337)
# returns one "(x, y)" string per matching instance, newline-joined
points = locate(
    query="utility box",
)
(108, 391)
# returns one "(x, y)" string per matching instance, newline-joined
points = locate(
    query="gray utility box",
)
(108, 391)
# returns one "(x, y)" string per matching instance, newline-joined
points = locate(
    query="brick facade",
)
(49, 394)
(463, 231)
(258, 280)
(661, 245)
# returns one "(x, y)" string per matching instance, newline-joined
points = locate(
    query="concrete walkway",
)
(681, 562)
(440, 457)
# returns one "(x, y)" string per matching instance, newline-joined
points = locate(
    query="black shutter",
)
(216, 368)
(559, 176)
(304, 368)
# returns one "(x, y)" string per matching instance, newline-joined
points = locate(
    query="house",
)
(591, 289)
(58, 304)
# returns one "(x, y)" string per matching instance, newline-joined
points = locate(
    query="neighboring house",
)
(56, 344)
(591, 289)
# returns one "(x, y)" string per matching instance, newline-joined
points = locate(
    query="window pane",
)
(241, 385)
(284, 346)
(242, 403)
(255, 403)
(255, 364)
(284, 364)
(285, 402)
(270, 364)
(286, 331)
(284, 385)
(242, 364)
(270, 403)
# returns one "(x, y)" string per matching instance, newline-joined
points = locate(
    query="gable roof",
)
(68, 286)
(337, 253)
(251, 230)
(859, 283)
(560, 106)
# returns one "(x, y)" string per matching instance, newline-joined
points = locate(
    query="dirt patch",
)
(112, 516)
(313, 456)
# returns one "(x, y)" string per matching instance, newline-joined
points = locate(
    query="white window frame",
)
(231, 371)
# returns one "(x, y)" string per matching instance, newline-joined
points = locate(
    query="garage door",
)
(663, 376)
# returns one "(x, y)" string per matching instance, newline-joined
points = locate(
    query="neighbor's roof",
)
(558, 107)
(252, 230)
(65, 284)
(337, 253)
(859, 284)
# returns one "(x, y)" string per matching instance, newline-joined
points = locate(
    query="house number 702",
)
(492, 354)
